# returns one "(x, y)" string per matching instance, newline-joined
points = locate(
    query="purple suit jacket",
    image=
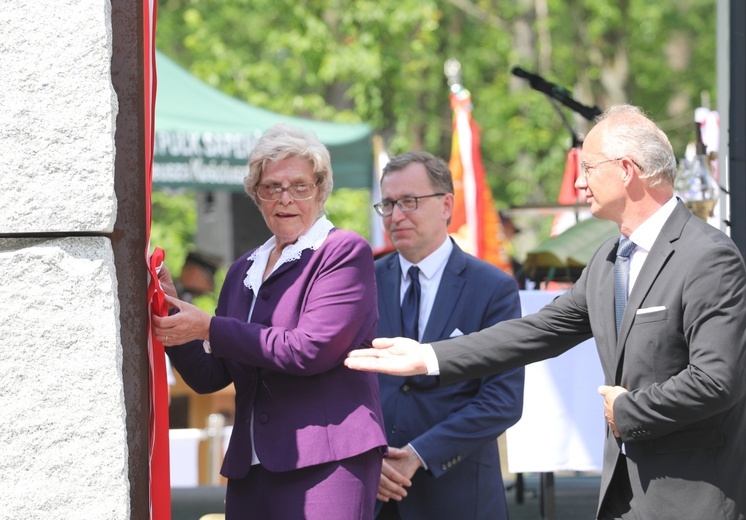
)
(287, 363)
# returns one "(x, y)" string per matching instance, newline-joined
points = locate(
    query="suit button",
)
(262, 418)
(443, 467)
(264, 294)
(405, 388)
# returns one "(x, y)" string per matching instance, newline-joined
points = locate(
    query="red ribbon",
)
(160, 478)
(159, 468)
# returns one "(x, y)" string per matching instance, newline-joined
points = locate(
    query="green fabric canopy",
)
(571, 250)
(203, 137)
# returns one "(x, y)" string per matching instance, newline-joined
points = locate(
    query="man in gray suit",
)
(675, 364)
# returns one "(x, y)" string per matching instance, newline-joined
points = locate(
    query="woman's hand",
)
(189, 324)
(167, 283)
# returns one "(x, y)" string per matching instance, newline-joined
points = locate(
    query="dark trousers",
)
(389, 511)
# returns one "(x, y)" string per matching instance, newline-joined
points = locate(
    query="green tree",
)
(174, 226)
(381, 62)
(349, 209)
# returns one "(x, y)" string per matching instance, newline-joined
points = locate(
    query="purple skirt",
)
(344, 489)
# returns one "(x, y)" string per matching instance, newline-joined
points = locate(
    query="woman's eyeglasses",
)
(300, 191)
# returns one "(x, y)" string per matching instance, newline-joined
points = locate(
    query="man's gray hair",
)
(630, 133)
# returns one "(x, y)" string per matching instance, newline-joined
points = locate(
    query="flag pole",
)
(474, 222)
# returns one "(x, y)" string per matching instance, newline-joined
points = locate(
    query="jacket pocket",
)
(648, 317)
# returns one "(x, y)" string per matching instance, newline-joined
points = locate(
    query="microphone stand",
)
(556, 93)
(576, 141)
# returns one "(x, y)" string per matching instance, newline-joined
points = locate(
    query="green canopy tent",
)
(562, 258)
(203, 137)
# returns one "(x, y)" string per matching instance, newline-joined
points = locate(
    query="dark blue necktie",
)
(410, 306)
(621, 278)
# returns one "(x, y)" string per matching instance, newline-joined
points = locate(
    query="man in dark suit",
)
(443, 459)
(674, 364)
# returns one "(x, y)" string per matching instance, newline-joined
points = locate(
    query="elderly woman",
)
(308, 438)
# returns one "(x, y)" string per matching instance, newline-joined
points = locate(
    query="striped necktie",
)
(621, 278)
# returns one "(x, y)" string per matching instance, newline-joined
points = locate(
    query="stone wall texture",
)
(63, 439)
(57, 113)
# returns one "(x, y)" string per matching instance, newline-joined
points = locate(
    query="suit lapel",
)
(657, 257)
(389, 294)
(451, 285)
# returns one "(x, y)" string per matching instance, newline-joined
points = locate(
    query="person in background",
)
(308, 438)
(665, 303)
(510, 230)
(443, 460)
(197, 276)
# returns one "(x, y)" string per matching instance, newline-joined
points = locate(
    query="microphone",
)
(556, 92)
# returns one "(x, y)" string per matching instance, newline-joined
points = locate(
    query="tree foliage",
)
(173, 229)
(381, 62)
(174, 226)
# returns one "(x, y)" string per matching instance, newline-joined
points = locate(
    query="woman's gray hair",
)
(281, 141)
(630, 133)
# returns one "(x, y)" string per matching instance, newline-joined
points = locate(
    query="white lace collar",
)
(311, 240)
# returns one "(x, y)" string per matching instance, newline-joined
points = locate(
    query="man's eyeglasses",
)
(587, 168)
(300, 191)
(405, 204)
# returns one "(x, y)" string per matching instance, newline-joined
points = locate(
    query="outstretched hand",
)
(394, 356)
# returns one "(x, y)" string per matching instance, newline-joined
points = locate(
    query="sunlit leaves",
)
(381, 62)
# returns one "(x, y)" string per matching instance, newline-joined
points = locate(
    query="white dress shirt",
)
(644, 237)
(431, 272)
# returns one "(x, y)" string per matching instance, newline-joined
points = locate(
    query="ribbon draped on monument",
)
(474, 225)
(160, 478)
(159, 469)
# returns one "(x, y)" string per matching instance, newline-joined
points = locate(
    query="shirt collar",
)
(312, 239)
(645, 235)
(432, 262)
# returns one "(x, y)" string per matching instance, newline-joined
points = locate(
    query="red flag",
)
(474, 224)
(159, 474)
(379, 240)
(569, 195)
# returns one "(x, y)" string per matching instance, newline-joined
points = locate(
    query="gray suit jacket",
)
(681, 353)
